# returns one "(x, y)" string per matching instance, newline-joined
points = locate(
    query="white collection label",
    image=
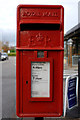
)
(40, 79)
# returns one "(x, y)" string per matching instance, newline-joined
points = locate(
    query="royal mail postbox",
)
(39, 71)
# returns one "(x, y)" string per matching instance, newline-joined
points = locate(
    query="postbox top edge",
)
(41, 6)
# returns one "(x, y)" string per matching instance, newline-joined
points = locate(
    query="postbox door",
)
(42, 104)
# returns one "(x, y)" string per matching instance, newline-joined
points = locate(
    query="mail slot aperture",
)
(40, 26)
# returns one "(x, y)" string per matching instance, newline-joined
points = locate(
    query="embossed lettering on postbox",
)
(39, 12)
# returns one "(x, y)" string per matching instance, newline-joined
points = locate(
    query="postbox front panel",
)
(40, 38)
(39, 61)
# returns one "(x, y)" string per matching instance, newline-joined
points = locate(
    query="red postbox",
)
(39, 71)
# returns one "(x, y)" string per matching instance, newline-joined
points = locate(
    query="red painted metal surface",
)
(39, 28)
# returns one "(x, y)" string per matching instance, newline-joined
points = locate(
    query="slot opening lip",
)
(34, 21)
